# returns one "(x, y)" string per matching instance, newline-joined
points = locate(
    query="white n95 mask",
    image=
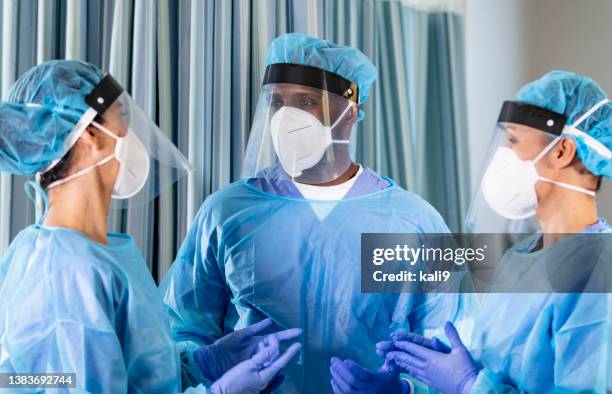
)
(134, 164)
(508, 184)
(300, 139)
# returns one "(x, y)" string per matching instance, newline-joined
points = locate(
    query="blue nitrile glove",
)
(216, 359)
(384, 347)
(258, 373)
(447, 371)
(348, 377)
(277, 381)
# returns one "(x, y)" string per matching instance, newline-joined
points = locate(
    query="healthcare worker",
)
(284, 241)
(75, 299)
(553, 148)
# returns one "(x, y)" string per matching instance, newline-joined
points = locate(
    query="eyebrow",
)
(512, 129)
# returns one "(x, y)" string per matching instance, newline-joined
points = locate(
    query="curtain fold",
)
(8, 72)
(195, 67)
(415, 129)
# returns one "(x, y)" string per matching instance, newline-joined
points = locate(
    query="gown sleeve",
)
(430, 311)
(196, 295)
(580, 338)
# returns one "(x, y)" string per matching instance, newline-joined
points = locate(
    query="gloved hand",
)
(384, 347)
(447, 371)
(273, 385)
(350, 377)
(258, 373)
(216, 359)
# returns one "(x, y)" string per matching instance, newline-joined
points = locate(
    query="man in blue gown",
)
(284, 241)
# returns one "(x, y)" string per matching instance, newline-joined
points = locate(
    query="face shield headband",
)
(299, 74)
(552, 122)
(106, 92)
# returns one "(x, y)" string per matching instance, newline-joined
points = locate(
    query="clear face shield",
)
(506, 200)
(302, 125)
(149, 163)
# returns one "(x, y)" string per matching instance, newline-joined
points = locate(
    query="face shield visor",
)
(149, 163)
(302, 125)
(506, 199)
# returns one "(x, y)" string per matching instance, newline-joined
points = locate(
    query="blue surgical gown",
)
(252, 254)
(546, 342)
(69, 304)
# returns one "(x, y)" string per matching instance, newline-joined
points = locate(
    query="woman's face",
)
(526, 141)
(115, 119)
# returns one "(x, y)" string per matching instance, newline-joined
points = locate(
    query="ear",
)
(92, 139)
(352, 115)
(354, 112)
(564, 153)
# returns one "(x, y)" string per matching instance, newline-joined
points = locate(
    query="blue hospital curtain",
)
(195, 67)
(415, 129)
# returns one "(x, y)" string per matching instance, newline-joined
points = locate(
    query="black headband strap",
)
(104, 94)
(300, 74)
(532, 116)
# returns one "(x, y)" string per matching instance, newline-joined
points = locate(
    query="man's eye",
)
(306, 102)
(276, 103)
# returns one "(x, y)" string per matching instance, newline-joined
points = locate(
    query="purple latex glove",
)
(384, 347)
(451, 371)
(348, 377)
(258, 373)
(216, 359)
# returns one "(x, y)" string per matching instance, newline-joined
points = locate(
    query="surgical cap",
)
(349, 63)
(43, 107)
(573, 95)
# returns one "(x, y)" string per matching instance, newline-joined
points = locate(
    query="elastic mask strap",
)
(27, 187)
(600, 148)
(590, 141)
(105, 130)
(562, 184)
(546, 149)
(338, 121)
(553, 142)
(81, 172)
(590, 112)
(568, 186)
(576, 123)
(90, 168)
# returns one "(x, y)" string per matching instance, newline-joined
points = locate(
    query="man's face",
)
(327, 108)
(324, 105)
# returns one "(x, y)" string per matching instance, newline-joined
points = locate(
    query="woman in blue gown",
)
(545, 325)
(76, 299)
